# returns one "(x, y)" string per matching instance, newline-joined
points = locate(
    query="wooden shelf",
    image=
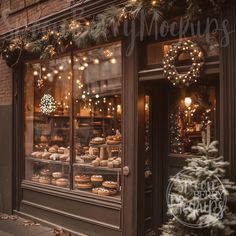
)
(89, 166)
(47, 161)
(106, 145)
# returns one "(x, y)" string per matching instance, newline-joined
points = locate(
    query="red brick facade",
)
(14, 14)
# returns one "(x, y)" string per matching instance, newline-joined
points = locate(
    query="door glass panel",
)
(97, 112)
(190, 111)
(47, 88)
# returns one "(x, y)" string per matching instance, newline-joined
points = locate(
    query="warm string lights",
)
(47, 104)
(197, 59)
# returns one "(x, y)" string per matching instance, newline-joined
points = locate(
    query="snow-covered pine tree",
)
(193, 214)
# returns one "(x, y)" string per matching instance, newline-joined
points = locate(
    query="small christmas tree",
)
(197, 200)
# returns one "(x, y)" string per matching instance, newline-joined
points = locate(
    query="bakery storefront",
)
(98, 132)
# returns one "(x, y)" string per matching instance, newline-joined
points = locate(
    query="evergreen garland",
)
(104, 26)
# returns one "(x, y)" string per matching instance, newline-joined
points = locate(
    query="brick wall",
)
(13, 15)
(5, 84)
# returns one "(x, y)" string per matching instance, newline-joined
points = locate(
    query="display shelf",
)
(101, 168)
(47, 161)
(105, 145)
(117, 196)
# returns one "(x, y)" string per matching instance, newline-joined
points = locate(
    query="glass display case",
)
(73, 121)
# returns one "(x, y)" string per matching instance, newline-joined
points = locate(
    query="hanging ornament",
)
(196, 56)
(47, 104)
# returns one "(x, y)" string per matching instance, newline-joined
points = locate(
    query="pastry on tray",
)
(35, 178)
(110, 184)
(53, 181)
(61, 150)
(88, 158)
(34, 154)
(44, 180)
(57, 175)
(45, 172)
(103, 192)
(82, 178)
(46, 155)
(64, 157)
(114, 139)
(39, 155)
(97, 180)
(95, 163)
(116, 164)
(97, 141)
(62, 182)
(53, 149)
(103, 163)
(87, 185)
(55, 157)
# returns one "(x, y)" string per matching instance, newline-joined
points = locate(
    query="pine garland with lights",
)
(84, 33)
(172, 55)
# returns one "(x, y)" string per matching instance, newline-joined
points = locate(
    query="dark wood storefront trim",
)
(228, 88)
(66, 214)
(81, 196)
(210, 68)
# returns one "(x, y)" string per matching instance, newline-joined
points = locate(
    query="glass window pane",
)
(97, 111)
(156, 51)
(47, 88)
(191, 109)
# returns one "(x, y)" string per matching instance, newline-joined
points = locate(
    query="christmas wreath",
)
(196, 56)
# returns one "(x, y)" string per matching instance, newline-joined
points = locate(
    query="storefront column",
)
(228, 88)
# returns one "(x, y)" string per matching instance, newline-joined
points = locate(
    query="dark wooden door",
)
(153, 156)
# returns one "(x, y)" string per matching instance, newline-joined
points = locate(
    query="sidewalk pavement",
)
(14, 226)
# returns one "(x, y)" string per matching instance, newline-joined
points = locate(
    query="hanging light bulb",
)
(113, 61)
(188, 101)
(96, 61)
(154, 3)
(36, 73)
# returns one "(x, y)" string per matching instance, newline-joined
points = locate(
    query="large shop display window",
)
(73, 122)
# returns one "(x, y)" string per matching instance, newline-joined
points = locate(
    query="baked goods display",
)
(96, 163)
(53, 153)
(96, 184)
(51, 175)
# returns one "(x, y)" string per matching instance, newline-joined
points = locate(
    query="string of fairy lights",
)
(79, 33)
(88, 97)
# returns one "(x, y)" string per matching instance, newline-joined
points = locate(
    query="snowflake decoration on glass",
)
(47, 104)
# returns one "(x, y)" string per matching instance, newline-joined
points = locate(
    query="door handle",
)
(126, 170)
